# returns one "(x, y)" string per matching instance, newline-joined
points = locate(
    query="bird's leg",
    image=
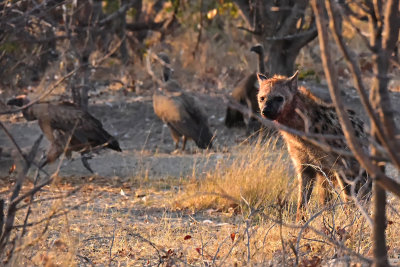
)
(162, 133)
(84, 158)
(43, 161)
(176, 140)
(184, 139)
(176, 137)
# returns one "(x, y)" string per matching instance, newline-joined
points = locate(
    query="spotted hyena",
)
(281, 100)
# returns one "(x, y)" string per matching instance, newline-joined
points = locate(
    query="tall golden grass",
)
(255, 176)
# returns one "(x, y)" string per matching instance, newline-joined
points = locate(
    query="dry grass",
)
(241, 212)
(196, 222)
(255, 175)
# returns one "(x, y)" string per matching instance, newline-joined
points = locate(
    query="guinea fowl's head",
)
(170, 85)
(18, 101)
(167, 70)
(258, 49)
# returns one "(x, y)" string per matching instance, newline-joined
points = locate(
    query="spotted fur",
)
(280, 99)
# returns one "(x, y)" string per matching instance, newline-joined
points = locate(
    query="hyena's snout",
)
(272, 108)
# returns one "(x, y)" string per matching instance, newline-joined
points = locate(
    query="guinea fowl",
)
(180, 111)
(61, 122)
(246, 94)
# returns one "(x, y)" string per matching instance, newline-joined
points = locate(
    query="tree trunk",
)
(86, 14)
(383, 39)
(123, 50)
(280, 60)
(379, 217)
(282, 27)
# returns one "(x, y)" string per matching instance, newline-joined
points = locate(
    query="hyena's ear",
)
(261, 77)
(292, 81)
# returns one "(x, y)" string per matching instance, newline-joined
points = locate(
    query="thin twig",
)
(280, 212)
(29, 206)
(44, 94)
(149, 69)
(309, 137)
(70, 193)
(200, 30)
(336, 243)
(356, 73)
(1, 215)
(9, 135)
(151, 244)
(306, 226)
(220, 246)
(265, 237)
(112, 51)
(112, 243)
(86, 259)
(311, 31)
(12, 208)
(56, 215)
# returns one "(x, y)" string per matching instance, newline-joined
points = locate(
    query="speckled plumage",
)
(60, 121)
(181, 112)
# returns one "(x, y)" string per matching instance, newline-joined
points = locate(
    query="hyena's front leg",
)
(306, 176)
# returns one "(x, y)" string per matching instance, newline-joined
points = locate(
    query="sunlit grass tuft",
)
(256, 176)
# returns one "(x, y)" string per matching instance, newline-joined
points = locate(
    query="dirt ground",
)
(146, 142)
(114, 205)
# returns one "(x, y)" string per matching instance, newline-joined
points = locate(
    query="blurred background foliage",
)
(42, 41)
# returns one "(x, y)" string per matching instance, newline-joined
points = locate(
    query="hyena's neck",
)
(296, 114)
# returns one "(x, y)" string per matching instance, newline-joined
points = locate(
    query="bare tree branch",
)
(356, 72)
(14, 199)
(43, 95)
(383, 180)
(141, 26)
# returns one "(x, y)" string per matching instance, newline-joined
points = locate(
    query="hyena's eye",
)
(279, 99)
(262, 98)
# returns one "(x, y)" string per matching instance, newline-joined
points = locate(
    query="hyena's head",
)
(276, 95)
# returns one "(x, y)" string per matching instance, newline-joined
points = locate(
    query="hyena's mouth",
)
(272, 108)
(270, 114)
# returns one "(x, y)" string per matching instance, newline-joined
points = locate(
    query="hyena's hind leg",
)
(364, 185)
(306, 176)
(326, 181)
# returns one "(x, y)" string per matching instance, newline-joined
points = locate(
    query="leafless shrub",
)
(384, 31)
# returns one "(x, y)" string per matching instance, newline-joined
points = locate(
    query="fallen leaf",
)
(122, 193)
(233, 235)
(187, 237)
(313, 262)
(12, 169)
